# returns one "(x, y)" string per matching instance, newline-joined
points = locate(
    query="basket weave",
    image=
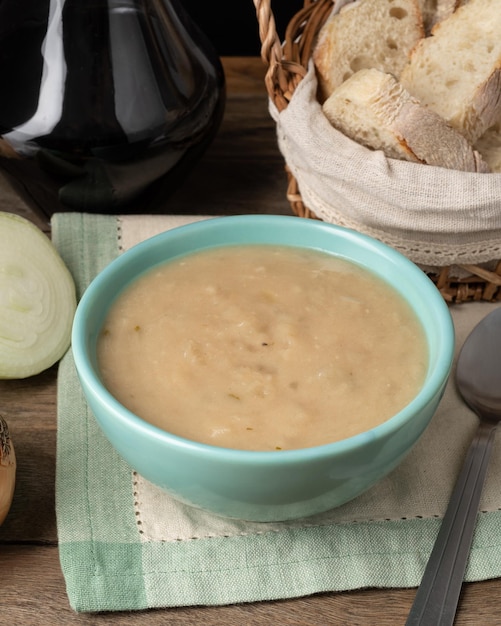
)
(287, 64)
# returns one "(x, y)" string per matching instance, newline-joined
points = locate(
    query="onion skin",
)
(7, 470)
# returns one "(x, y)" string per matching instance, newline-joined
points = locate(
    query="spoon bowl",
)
(478, 369)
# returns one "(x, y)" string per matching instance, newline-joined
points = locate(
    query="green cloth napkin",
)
(125, 544)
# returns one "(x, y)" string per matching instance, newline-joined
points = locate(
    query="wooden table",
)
(242, 172)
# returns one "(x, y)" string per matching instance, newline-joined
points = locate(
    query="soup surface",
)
(262, 348)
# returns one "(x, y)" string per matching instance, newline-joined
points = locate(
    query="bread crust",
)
(435, 11)
(489, 146)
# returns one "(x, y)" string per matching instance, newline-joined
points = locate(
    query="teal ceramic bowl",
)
(264, 486)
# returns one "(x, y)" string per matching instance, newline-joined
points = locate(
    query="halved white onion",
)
(37, 299)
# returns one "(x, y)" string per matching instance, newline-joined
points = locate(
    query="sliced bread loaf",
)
(457, 70)
(365, 34)
(373, 109)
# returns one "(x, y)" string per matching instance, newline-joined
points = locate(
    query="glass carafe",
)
(105, 105)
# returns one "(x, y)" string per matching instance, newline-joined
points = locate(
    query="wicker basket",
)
(287, 64)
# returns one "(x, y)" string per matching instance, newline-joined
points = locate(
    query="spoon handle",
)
(438, 594)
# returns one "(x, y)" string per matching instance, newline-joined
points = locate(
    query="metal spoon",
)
(478, 379)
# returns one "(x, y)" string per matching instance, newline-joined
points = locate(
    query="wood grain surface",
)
(242, 172)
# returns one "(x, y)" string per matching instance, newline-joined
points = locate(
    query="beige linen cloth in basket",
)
(436, 217)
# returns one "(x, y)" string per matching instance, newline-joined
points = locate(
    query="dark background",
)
(231, 25)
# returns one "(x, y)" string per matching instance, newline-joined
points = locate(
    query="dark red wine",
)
(112, 102)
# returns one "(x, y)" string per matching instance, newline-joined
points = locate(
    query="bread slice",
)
(457, 70)
(489, 146)
(373, 108)
(365, 34)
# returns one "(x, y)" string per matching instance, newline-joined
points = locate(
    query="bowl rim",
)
(89, 377)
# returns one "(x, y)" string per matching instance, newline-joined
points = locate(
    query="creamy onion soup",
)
(262, 347)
